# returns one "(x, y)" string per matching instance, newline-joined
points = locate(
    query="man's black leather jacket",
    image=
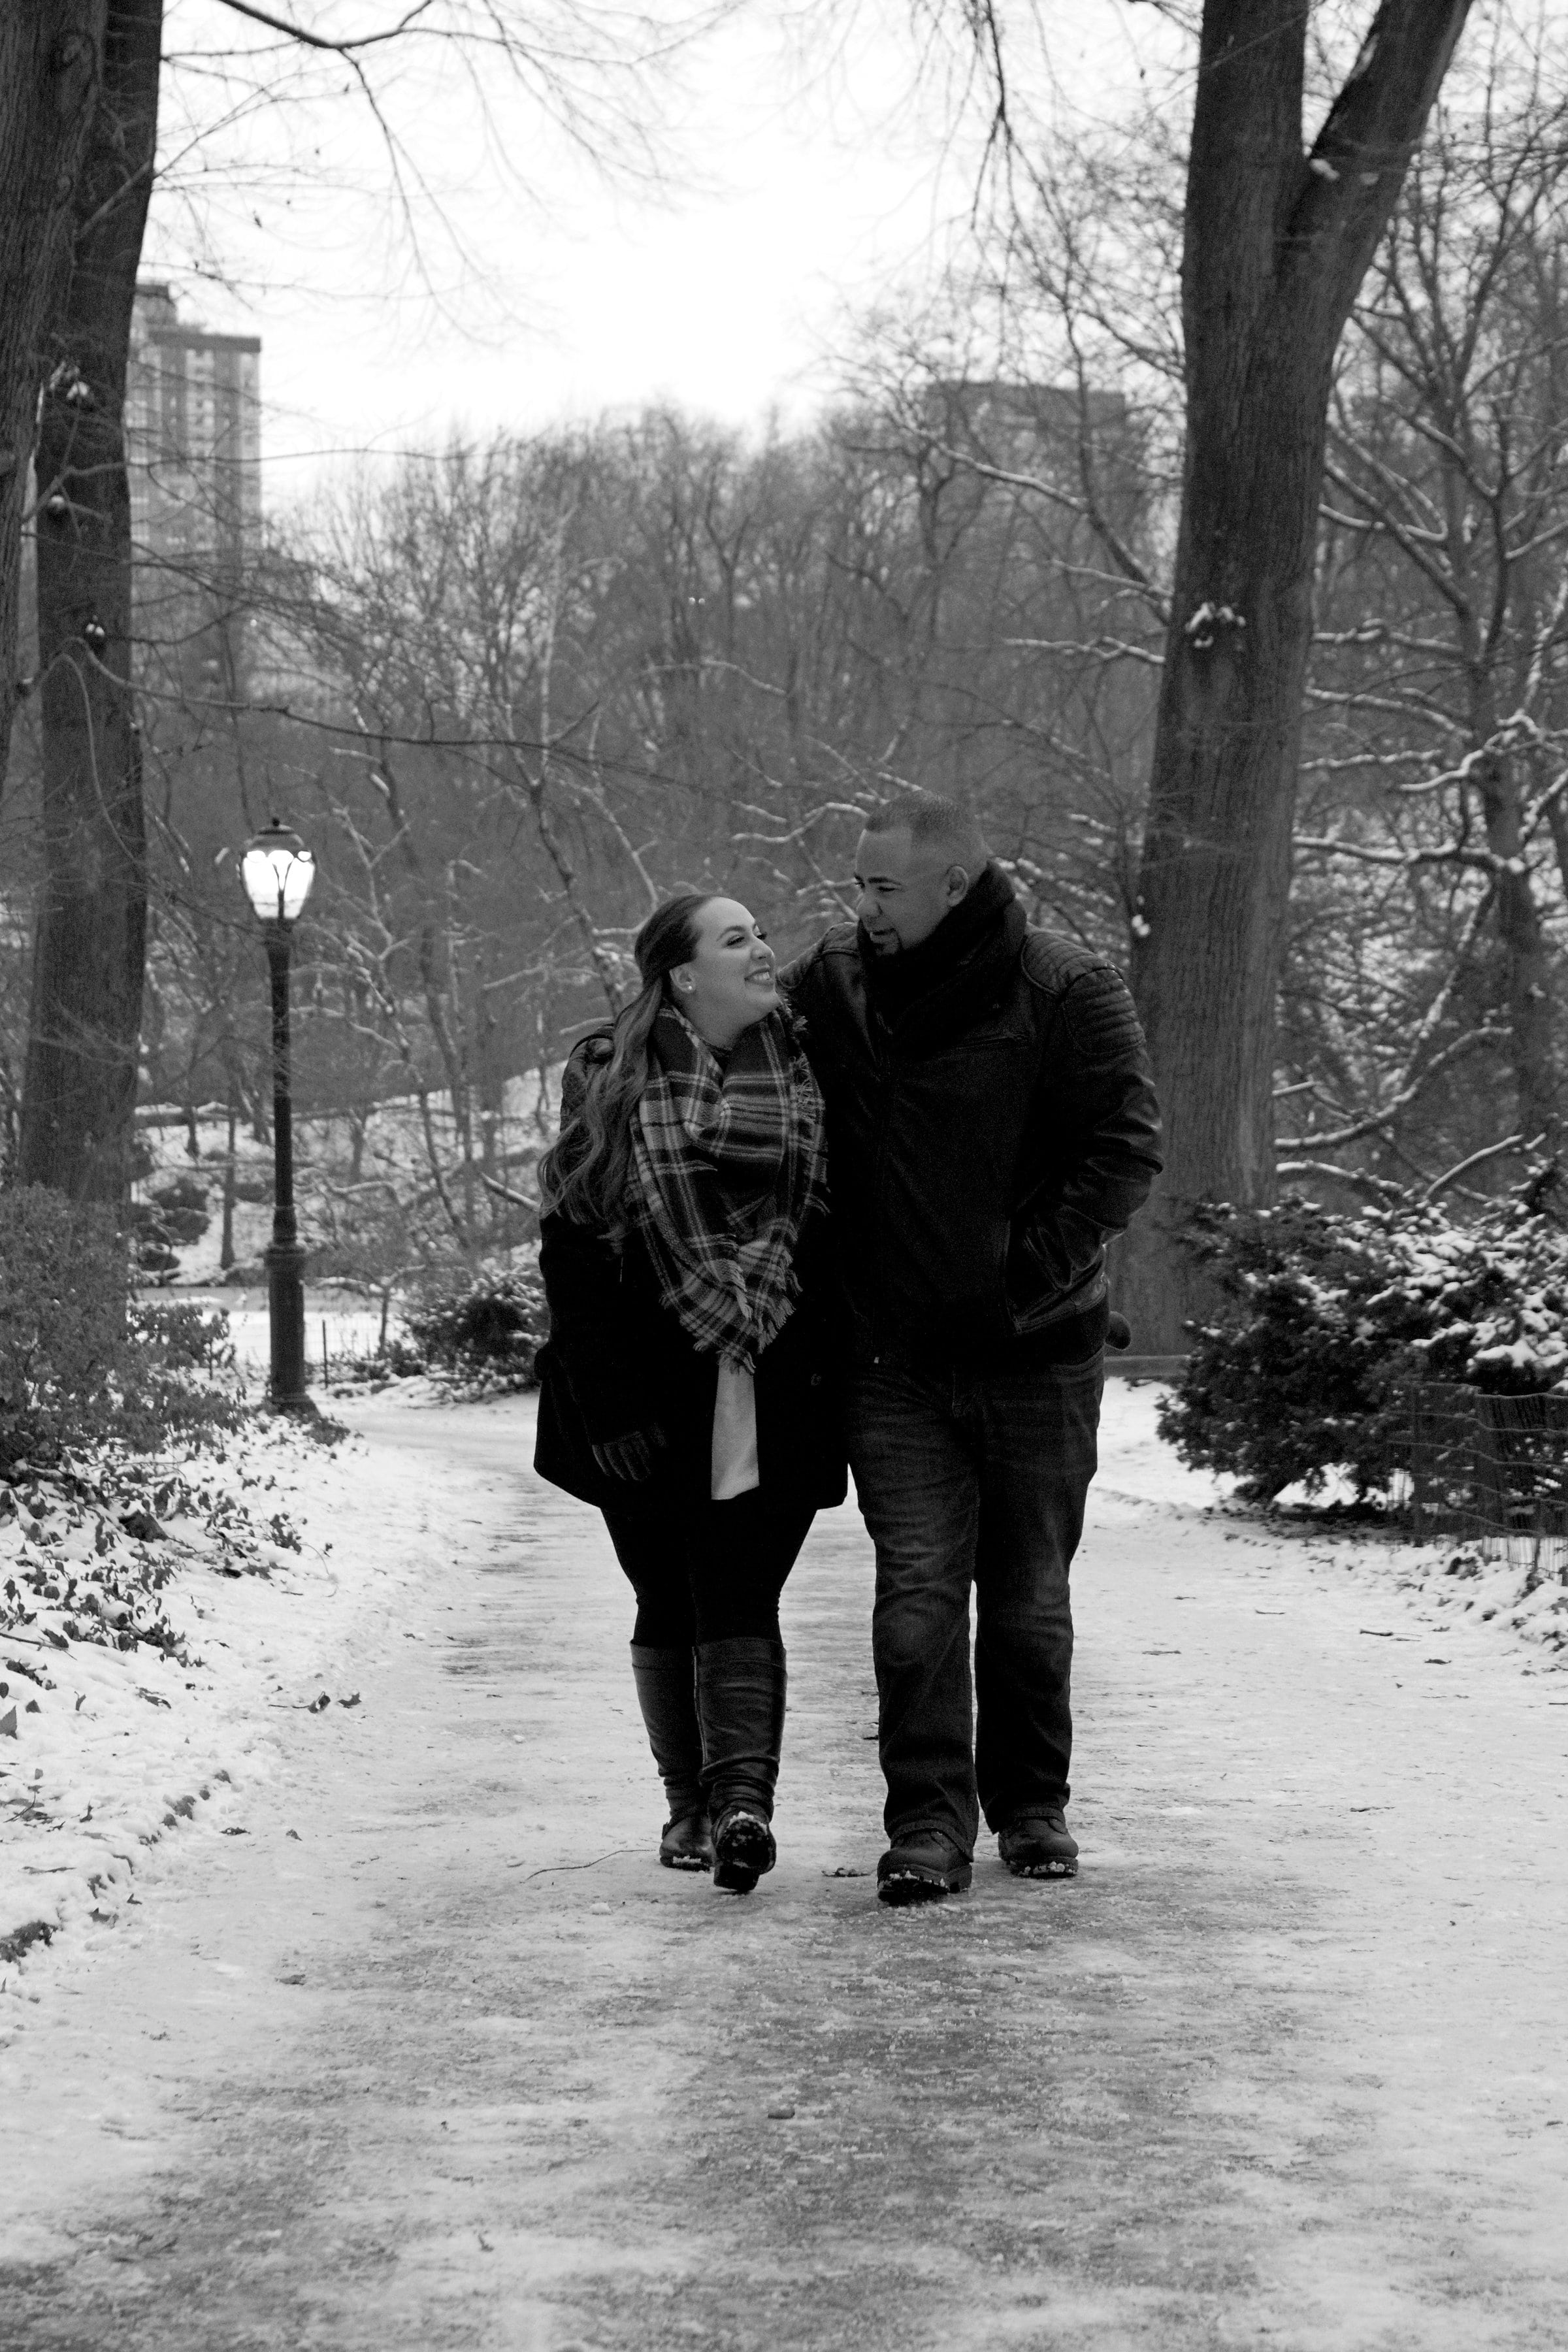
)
(984, 1141)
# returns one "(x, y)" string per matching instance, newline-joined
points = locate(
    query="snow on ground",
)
(336, 1327)
(245, 1605)
(1470, 1594)
(436, 2056)
(391, 1155)
(106, 1749)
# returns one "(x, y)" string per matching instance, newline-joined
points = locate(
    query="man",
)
(990, 1121)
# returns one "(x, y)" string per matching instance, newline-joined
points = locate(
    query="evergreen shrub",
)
(488, 1332)
(1327, 1317)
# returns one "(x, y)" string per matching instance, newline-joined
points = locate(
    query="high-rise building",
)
(193, 429)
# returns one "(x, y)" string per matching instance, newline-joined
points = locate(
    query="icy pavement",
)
(434, 2055)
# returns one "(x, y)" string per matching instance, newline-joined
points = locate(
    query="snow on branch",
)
(1452, 853)
(1382, 1188)
(1101, 649)
(1518, 732)
(1354, 761)
(1402, 1100)
(1201, 627)
(1544, 804)
(1489, 1151)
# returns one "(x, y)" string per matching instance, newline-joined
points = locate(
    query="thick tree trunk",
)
(49, 54)
(1494, 778)
(79, 1091)
(1531, 1041)
(1277, 242)
(1495, 781)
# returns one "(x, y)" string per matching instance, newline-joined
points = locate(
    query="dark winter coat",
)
(618, 1360)
(991, 1120)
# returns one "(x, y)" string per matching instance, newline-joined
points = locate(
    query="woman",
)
(685, 1384)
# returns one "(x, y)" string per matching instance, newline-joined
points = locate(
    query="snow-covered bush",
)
(187, 1338)
(79, 1363)
(174, 1215)
(488, 1333)
(1328, 1318)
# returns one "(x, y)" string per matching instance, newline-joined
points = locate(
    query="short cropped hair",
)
(936, 824)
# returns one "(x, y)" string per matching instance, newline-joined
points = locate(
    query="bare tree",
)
(1417, 939)
(1280, 233)
(82, 124)
(1439, 751)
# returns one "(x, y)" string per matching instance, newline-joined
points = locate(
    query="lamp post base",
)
(303, 1407)
(285, 1264)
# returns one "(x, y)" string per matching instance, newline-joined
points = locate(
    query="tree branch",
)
(306, 39)
(504, 1193)
(1352, 179)
(1382, 1188)
(1452, 1176)
(1403, 1100)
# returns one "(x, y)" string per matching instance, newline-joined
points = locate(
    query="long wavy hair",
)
(583, 1176)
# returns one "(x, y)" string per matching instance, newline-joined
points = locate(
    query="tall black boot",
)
(741, 1701)
(666, 1693)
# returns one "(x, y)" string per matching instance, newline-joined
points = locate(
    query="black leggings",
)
(709, 1572)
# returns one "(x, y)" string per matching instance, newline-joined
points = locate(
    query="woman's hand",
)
(630, 1459)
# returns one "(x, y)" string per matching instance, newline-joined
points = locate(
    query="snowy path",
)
(1285, 2066)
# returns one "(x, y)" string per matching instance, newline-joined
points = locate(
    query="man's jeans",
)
(972, 1476)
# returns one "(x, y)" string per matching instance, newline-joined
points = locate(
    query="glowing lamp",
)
(278, 871)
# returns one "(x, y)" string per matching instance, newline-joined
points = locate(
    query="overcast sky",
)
(804, 188)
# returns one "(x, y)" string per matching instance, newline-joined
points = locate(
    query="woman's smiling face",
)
(730, 982)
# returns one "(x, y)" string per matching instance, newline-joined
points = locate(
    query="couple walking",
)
(857, 1208)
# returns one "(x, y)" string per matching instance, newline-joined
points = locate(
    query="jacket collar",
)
(942, 987)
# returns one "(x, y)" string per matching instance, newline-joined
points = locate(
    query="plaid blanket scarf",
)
(728, 1166)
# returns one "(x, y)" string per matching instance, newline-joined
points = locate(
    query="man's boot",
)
(922, 1867)
(741, 1701)
(666, 1693)
(1038, 1843)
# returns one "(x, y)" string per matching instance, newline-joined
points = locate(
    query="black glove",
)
(629, 1459)
(1117, 1332)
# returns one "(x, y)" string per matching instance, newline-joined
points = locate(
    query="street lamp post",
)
(278, 871)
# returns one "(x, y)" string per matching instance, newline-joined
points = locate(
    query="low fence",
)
(1493, 1472)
